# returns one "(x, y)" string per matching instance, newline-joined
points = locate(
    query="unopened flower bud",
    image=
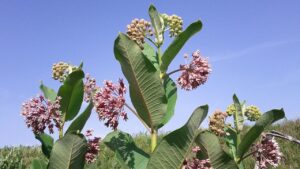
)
(61, 70)
(252, 113)
(217, 122)
(138, 30)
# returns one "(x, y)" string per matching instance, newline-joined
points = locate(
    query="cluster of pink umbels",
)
(40, 113)
(195, 73)
(89, 88)
(266, 153)
(93, 146)
(196, 163)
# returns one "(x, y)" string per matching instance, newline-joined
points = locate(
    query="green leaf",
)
(175, 147)
(150, 54)
(72, 94)
(231, 140)
(126, 150)
(171, 93)
(68, 152)
(49, 93)
(253, 134)
(157, 23)
(47, 143)
(146, 90)
(38, 164)
(79, 122)
(238, 115)
(178, 43)
(210, 144)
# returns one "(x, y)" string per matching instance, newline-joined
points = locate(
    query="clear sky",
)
(253, 47)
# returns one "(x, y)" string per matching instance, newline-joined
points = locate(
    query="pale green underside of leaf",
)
(238, 115)
(49, 93)
(145, 87)
(68, 152)
(38, 164)
(174, 148)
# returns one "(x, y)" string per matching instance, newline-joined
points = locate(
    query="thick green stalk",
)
(153, 139)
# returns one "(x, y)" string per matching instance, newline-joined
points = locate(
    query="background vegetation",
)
(21, 157)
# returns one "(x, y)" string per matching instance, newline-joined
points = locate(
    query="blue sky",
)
(253, 47)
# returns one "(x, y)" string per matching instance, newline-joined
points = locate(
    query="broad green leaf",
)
(150, 54)
(231, 140)
(38, 164)
(126, 150)
(79, 122)
(238, 115)
(72, 94)
(210, 144)
(47, 143)
(157, 23)
(146, 90)
(175, 147)
(178, 43)
(68, 152)
(253, 134)
(48, 92)
(171, 93)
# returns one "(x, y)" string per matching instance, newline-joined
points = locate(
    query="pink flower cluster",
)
(93, 147)
(196, 163)
(109, 102)
(267, 153)
(89, 88)
(195, 73)
(40, 113)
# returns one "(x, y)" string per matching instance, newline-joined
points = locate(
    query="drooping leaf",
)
(72, 94)
(145, 87)
(150, 54)
(47, 143)
(171, 93)
(253, 134)
(68, 152)
(79, 123)
(178, 43)
(238, 115)
(49, 93)
(210, 144)
(126, 150)
(175, 147)
(38, 164)
(157, 23)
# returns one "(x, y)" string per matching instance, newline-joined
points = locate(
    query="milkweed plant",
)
(153, 94)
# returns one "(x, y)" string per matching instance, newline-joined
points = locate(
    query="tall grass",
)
(21, 157)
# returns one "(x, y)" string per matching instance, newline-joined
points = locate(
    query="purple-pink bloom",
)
(109, 102)
(195, 163)
(267, 153)
(89, 88)
(93, 146)
(40, 113)
(195, 73)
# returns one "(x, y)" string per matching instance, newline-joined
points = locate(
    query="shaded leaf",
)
(210, 144)
(47, 143)
(253, 134)
(38, 164)
(79, 123)
(126, 151)
(49, 93)
(175, 147)
(72, 94)
(150, 54)
(146, 90)
(178, 43)
(68, 152)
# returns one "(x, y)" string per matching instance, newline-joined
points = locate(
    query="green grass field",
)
(20, 157)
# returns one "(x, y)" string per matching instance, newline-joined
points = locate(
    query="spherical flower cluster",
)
(267, 153)
(175, 23)
(93, 147)
(61, 70)
(109, 102)
(138, 29)
(195, 163)
(40, 113)
(252, 113)
(217, 122)
(231, 110)
(195, 73)
(89, 88)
